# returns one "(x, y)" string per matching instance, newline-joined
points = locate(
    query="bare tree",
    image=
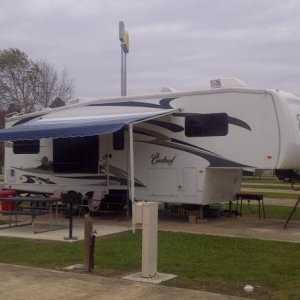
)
(53, 86)
(47, 83)
(65, 86)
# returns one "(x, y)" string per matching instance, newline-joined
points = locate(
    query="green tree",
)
(17, 82)
(29, 85)
(57, 102)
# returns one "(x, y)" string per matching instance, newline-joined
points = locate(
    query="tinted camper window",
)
(118, 140)
(201, 125)
(26, 147)
(76, 155)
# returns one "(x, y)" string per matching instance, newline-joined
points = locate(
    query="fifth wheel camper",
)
(173, 147)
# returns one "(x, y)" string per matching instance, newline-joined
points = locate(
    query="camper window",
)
(76, 155)
(26, 147)
(201, 125)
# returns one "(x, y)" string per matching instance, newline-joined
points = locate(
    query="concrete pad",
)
(159, 278)
(279, 202)
(101, 228)
(243, 227)
(23, 283)
(283, 191)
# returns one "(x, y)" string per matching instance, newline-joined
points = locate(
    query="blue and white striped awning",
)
(51, 126)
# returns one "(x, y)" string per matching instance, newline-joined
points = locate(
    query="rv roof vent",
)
(167, 89)
(226, 83)
(79, 100)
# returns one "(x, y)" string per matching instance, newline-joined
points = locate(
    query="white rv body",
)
(172, 163)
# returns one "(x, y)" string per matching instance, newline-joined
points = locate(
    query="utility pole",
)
(124, 39)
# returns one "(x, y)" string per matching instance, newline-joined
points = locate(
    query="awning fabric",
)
(63, 127)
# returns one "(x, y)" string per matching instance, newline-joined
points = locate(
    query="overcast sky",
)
(177, 43)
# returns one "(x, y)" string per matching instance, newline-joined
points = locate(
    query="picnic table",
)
(33, 207)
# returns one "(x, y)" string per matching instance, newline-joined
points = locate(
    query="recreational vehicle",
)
(173, 147)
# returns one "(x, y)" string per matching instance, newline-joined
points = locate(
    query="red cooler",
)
(6, 193)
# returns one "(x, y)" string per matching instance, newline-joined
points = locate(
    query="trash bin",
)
(7, 206)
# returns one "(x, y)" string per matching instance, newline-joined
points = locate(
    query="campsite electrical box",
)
(137, 213)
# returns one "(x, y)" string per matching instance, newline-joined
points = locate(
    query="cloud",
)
(172, 42)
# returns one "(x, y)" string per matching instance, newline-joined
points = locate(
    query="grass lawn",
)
(274, 195)
(278, 212)
(272, 211)
(275, 185)
(264, 179)
(219, 264)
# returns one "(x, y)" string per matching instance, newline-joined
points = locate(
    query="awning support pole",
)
(131, 164)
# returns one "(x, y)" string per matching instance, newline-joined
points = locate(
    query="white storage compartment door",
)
(190, 181)
(162, 182)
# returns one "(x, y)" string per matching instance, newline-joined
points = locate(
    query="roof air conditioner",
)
(227, 83)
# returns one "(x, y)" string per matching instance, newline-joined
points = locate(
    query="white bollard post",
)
(146, 213)
(149, 244)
